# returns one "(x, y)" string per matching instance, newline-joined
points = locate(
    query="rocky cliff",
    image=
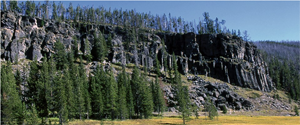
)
(221, 56)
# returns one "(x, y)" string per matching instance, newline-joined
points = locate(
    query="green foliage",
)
(157, 66)
(3, 5)
(60, 98)
(10, 101)
(183, 101)
(143, 104)
(296, 110)
(32, 116)
(157, 95)
(224, 109)
(54, 11)
(30, 7)
(100, 48)
(60, 55)
(122, 104)
(211, 109)
(112, 95)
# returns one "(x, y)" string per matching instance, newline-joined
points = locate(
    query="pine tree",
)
(78, 83)
(10, 100)
(112, 95)
(146, 96)
(30, 7)
(183, 101)
(32, 83)
(157, 66)
(13, 6)
(296, 110)
(177, 77)
(99, 48)
(3, 5)
(85, 90)
(54, 11)
(69, 92)
(129, 99)
(97, 101)
(136, 92)
(51, 88)
(44, 96)
(157, 95)
(60, 55)
(210, 107)
(32, 116)
(60, 98)
(122, 83)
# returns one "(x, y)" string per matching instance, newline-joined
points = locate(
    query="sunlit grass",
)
(221, 120)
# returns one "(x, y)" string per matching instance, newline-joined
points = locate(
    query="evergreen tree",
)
(112, 95)
(146, 106)
(129, 99)
(183, 101)
(43, 89)
(210, 107)
(122, 83)
(78, 83)
(32, 116)
(99, 48)
(30, 7)
(11, 105)
(60, 98)
(69, 92)
(157, 66)
(136, 92)
(296, 110)
(60, 55)
(85, 90)
(97, 101)
(32, 83)
(13, 6)
(54, 11)
(157, 95)
(177, 76)
(3, 5)
(51, 88)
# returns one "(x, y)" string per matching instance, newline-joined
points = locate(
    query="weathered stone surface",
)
(198, 95)
(221, 56)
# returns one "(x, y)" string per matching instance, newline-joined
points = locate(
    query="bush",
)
(224, 109)
(296, 110)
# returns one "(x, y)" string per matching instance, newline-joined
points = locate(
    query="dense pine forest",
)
(59, 86)
(284, 67)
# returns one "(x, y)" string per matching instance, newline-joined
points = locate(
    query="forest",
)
(60, 87)
(284, 67)
(125, 18)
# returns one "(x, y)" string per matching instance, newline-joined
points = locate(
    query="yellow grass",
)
(222, 120)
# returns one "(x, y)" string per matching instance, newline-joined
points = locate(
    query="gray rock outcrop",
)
(221, 56)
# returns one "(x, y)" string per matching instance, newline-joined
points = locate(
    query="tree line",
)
(283, 64)
(59, 87)
(126, 18)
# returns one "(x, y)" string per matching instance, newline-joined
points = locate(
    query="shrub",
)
(224, 109)
(296, 110)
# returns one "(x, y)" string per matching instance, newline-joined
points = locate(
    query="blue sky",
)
(268, 20)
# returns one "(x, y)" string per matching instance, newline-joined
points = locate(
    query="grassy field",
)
(221, 120)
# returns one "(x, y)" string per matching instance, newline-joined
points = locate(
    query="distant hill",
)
(283, 59)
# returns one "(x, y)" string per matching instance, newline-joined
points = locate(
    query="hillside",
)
(228, 58)
(283, 62)
(79, 70)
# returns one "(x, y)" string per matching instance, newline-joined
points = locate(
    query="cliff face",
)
(221, 56)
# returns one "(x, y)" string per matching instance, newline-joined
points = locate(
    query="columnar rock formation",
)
(221, 56)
